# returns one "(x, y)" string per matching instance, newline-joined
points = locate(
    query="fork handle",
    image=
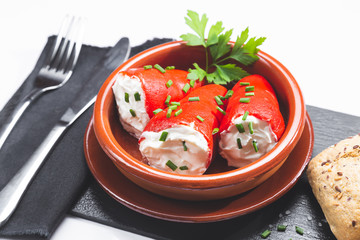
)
(16, 114)
(11, 194)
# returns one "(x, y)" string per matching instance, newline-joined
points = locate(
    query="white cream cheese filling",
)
(237, 156)
(185, 147)
(131, 86)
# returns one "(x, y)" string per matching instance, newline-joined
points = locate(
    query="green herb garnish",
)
(281, 228)
(251, 128)
(132, 112)
(170, 67)
(218, 101)
(168, 114)
(173, 107)
(217, 42)
(192, 83)
(163, 136)
(245, 115)
(244, 100)
(157, 111)
(215, 130)
(177, 113)
(249, 89)
(265, 234)
(299, 230)
(183, 168)
(194, 99)
(137, 96)
(158, 67)
(167, 100)
(171, 165)
(249, 94)
(238, 140)
(240, 128)
(184, 145)
(126, 97)
(169, 83)
(255, 146)
(175, 103)
(200, 118)
(221, 110)
(147, 67)
(186, 88)
(244, 83)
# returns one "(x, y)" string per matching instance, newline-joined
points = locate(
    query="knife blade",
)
(13, 191)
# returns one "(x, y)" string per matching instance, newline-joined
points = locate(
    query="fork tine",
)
(58, 40)
(63, 46)
(74, 46)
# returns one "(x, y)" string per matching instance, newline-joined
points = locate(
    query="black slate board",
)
(298, 207)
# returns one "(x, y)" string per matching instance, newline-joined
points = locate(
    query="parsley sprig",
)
(217, 44)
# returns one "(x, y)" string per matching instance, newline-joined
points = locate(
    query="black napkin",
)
(65, 175)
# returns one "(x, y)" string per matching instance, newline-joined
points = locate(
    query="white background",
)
(317, 40)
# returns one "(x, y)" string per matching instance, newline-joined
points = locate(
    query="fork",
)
(55, 72)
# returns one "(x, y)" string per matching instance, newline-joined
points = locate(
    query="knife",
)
(13, 191)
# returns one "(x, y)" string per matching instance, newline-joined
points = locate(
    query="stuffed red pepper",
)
(179, 139)
(140, 92)
(253, 122)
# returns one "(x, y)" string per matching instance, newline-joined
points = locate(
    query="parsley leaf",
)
(243, 51)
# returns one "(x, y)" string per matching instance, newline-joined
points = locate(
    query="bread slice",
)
(334, 175)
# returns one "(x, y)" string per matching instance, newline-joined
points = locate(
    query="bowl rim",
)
(124, 161)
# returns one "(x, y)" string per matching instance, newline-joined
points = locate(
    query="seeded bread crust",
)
(334, 176)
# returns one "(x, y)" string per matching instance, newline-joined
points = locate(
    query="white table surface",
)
(317, 40)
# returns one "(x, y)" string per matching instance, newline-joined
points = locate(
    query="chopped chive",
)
(184, 145)
(215, 130)
(171, 165)
(137, 96)
(192, 83)
(240, 128)
(281, 228)
(126, 97)
(194, 99)
(244, 83)
(299, 230)
(158, 67)
(229, 94)
(222, 111)
(265, 234)
(183, 168)
(157, 111)
(132, 112)
(163, 136)
(169, 83)
(238, 140)
(200, 118)
(170, 67)
(255, 146)
(167, 101)
(168, 114)
(177, 113)
(244, 100)
(221, 97)
(249, 89)
(147, 67)
(251, 128)
(249, 94)
(173, 107)
(218, 101)
(175, 103)
(245, 115)
(186, 88)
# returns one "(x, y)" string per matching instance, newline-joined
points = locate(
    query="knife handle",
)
(13, 191)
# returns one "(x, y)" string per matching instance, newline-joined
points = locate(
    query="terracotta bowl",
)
(219, 181)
